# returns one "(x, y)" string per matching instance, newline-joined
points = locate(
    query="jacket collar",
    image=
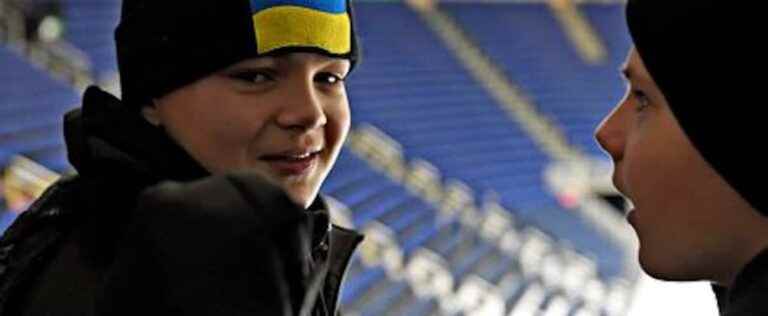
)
(748, 289)
(108, 140)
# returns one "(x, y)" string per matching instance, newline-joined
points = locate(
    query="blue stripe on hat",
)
(328, 6)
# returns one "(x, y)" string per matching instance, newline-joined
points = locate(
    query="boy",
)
(678, 142)
(197, 193)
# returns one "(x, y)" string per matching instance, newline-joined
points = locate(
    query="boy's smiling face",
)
(285, 117)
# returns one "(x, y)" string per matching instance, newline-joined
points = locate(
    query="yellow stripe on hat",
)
(291, 26)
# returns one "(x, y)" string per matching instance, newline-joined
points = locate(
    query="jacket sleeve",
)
(225, 245)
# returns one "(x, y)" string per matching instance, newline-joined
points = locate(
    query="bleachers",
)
(32, 105)
(90, 26)
(413, 88)
(535, 53)
(368, 290)
(442, 259)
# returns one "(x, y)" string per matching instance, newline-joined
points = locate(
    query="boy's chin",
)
(667, 268)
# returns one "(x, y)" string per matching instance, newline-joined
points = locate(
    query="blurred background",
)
(471, 166)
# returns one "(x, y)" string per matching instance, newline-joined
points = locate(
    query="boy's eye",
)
(252, 76)
(328, 78)
(642, 100)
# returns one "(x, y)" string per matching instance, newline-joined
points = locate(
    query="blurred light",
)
(50, 29)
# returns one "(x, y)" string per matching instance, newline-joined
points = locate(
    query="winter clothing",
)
(747, 296)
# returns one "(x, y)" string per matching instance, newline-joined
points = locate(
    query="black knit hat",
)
(708, 59)
(163, 45)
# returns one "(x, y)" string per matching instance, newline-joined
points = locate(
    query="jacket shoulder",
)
(25, 245)
(49, 205)
(749, 292)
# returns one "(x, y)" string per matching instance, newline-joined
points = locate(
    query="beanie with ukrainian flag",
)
(163, 45)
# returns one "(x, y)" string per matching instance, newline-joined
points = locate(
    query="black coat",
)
(119, 238)
(748, 295)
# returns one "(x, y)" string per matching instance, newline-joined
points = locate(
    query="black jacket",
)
(119, 238)
(748, 296)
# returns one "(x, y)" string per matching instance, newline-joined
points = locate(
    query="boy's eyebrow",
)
(262, 62)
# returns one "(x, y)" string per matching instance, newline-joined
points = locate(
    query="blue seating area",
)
(90, 26)
(416, 226)
(415, 90)
(369, 292)
(32, 104)
(535, 54)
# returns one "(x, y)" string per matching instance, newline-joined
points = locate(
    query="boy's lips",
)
(292, 163)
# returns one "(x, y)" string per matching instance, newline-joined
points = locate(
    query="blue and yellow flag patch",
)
(322, 24)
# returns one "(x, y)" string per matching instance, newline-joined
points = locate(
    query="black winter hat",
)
(708, 58)
(163, 45)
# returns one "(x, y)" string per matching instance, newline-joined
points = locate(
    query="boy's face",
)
(285, 117)
(690, 223)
